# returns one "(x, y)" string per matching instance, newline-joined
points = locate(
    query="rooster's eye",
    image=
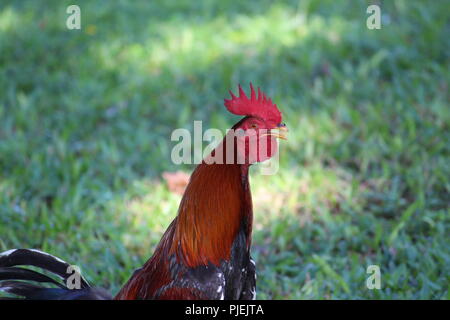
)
(254, 126)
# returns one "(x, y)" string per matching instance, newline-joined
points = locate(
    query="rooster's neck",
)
(216, 205)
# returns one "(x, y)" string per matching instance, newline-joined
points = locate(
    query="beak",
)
(280, 133)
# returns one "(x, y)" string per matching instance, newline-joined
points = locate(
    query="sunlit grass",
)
(182, 45)
(8, 20)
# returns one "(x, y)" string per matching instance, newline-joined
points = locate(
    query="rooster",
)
(205, 252)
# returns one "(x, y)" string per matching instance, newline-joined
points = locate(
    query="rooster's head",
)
(256, 134)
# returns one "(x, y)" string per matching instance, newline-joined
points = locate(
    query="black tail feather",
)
(32, 257)
(14, 273)
(15, 280)
(19, 288)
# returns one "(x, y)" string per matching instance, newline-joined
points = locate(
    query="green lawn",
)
(86, 118)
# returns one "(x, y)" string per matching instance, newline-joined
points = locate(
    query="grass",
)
(86, 117)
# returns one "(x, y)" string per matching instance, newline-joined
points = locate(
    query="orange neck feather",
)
(216, 203)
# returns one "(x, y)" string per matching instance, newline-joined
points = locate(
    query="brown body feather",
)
(216, 202)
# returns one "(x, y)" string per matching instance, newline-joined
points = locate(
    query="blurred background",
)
(86, 117)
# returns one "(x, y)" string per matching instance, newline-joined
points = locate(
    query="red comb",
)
(260, 106)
